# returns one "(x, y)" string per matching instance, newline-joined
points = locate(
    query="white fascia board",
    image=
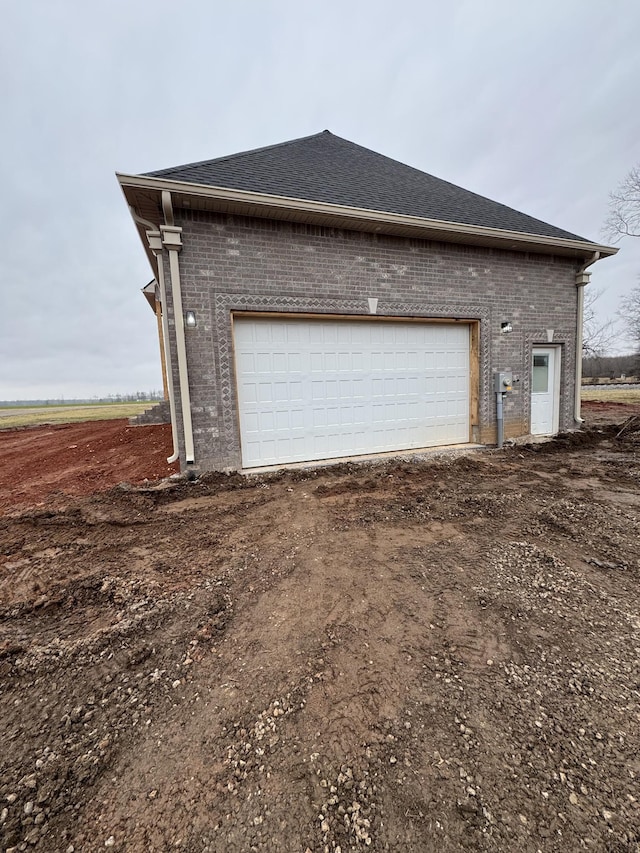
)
(364, 214)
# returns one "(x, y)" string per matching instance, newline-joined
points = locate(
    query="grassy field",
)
(32, 416)
(613, 395)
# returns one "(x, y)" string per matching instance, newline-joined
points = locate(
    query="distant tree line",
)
(135, 397)
(138, 396)
(611, 366)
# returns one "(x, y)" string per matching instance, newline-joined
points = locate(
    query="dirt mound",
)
(426, 656)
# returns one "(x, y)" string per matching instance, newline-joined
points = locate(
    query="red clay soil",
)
(38, 463)
(79, 459)
(597, 412)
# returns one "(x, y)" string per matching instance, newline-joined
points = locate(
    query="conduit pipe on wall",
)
(172, 241)
(582, 279)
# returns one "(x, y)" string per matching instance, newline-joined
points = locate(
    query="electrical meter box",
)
(503, 381)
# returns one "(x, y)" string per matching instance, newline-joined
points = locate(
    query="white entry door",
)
(323, 388)
(545, 390)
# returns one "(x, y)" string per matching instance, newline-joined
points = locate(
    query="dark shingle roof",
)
(327, 168)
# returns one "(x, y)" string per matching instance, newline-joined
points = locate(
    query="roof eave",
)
(242, 202)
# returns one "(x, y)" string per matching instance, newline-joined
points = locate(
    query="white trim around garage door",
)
(315, 388)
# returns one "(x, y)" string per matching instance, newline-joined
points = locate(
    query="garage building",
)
(320, 301)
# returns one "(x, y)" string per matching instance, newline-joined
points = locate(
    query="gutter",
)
(436, 226)
(582, 280)
(172, 241)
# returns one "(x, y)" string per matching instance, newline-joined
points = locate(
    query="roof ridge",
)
(238, 154)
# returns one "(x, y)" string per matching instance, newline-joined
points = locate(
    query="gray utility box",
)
(503, 381)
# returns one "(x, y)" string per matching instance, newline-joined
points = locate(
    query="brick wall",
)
(236, 263)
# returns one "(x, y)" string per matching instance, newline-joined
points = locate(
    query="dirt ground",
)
(596, 412)
(79, 459)
(428, 655)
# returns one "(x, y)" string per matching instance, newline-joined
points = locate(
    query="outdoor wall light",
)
(190, 319)
(506, 327)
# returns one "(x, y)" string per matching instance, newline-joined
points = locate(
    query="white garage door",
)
(321, 389)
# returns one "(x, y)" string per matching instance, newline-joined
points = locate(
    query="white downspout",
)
(155, 244)
(172, 241)
(582, 279)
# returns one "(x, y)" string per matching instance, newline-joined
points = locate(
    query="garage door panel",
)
(377, 360)
(265, 392)
(282, 421)
(279, 363)
(359, 389)
(264, 363)
(460, 360)
(319, 417)
(282, 391)
(331, 363)
(329, 334)
(247, 363)
(333, 416)
(357, 361)
(296, 392)
(266, 333)
(252, 423)
(297, 362)
(297, 419)
(316, 389)
(267, 422)
(249, 393)
(349, 418)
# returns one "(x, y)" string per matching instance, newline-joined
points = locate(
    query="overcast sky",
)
(533, 103)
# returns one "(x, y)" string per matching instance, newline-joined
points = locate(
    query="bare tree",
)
(630, 315)
(624, 221)
(624, 208)
(597, 335)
